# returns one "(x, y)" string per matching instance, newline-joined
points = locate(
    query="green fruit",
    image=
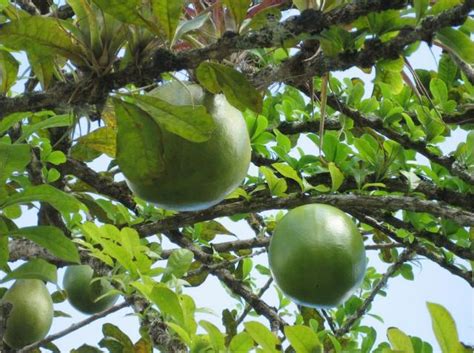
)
(317, 256)
(31, 315)
(198, 175)
(82, 292)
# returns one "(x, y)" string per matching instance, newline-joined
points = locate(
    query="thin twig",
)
(74, 327)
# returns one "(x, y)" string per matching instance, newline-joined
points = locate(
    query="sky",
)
(403, 307)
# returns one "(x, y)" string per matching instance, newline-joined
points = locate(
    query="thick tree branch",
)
(310, 21)
(345, 202)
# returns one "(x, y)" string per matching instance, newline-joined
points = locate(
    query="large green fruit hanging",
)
(317, 256)
(196, 176)
(83, 293)
(31, 315)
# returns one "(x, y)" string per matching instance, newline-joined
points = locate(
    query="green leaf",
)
(139, 148)
(399, 340)
(192, 123)
(86, 349)
(242, 343)
(51, 238)
(262, 335)
(178, 263)
(303, 339)
(3, 4)
(13, 158)
(49, 122)
(444, 329)
(238, 9)
(458, 42)
(215, 336)
(60, 200)
(239, 92)
(168, 303)
(168, 13)
(39, 35)
(8, 121)
(276, 185)
(288, 172)
(8, 71)
(439, 90)
(34, 269)
(337, 178)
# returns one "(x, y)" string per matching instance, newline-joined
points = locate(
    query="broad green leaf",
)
(399, 340)
(288, 172)
(139, 149)
(13, 158)
(303, 339)
(337, 178)
(4, 251)
(181, 332)
(43, 65)
(178, 263)
(239, 92)
(60, 200)
(168, 13)
(8, 71)
(238, 9)
(262, 335)
(439, 90)
(241, 342)
(216, 337)
(3, 4)
(51, 238)
(444, 329)
(101, 140)
(443, 5)
(190, 122)
(40, 34)
(34, 269)
(458, 42)
(168, 303)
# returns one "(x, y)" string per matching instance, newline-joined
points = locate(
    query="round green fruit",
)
(31, 314)
(196, 176)
(317, 256)
(82, 292)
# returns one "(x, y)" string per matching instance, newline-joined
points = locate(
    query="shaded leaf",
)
(8, 71)
(457, 41)
(239, 92)
(13, 158)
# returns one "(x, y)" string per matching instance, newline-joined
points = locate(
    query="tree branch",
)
(416, 246)
(346, 327)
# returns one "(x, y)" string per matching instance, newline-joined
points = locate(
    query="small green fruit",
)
(83, 292)
(31, 315)
(317, 256)
(196, 176)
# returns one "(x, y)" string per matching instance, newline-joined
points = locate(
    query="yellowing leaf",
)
(444, 329)
(399, 340)
(101, 140)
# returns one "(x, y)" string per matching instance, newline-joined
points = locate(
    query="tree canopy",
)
(91, 111)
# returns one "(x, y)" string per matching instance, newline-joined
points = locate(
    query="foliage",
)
(89, 61)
